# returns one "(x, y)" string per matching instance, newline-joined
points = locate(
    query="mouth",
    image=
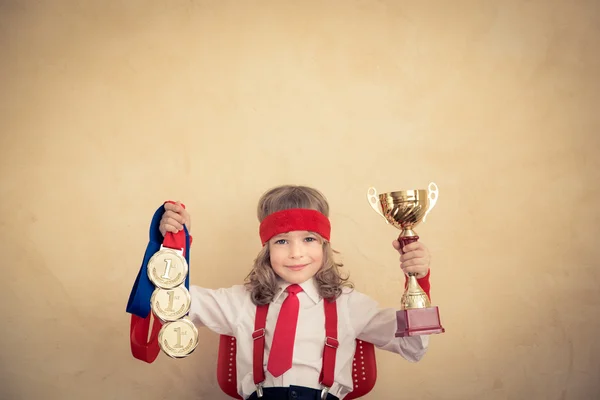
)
(297, 267)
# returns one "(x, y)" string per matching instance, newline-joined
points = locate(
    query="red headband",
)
(294, 219)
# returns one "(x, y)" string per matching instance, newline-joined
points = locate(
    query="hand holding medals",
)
(170, 301)
(164, 273)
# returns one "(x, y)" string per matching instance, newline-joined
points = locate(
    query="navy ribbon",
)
(139, 298)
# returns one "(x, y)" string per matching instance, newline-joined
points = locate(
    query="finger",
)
(413, 246)
(414, 262)
(170, 228)
(396, 244)
(173, 215)
(174, 222)
(171, 221)
(169, 206)
(183, 212)
(174, 207)
(413, 254)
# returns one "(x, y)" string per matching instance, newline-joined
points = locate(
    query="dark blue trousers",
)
(291, 393)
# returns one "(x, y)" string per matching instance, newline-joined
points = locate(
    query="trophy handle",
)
(374, 202)
(433, 196)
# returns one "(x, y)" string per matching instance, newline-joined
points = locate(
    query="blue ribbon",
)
(139, 298)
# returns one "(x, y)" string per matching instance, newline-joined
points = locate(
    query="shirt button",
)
(293, 394)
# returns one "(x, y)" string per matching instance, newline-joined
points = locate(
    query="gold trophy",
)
(404, 210)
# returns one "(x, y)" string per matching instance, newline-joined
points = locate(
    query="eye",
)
(310, 239)
(280, 241)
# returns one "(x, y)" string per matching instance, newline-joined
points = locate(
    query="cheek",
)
(318, 256)
(275, 257)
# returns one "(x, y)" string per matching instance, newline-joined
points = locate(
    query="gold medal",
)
(167, 268)
(178, 339)
(170, 304)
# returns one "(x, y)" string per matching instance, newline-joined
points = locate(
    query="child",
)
(293, 273)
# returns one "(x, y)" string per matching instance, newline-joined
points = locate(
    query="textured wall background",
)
(109, 108)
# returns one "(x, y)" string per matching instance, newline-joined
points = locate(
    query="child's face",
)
(296, 256)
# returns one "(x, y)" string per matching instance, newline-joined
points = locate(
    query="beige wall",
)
(109, 108)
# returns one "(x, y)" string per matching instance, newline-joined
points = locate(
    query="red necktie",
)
(282, 348)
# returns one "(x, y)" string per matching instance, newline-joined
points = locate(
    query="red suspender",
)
(329, 350)
(260, 321)
(331, 343)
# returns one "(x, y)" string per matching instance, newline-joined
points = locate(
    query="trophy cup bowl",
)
(404, 210)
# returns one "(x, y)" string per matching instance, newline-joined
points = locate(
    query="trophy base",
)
(418, 321)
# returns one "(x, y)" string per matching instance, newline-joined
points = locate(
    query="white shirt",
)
(231, 312)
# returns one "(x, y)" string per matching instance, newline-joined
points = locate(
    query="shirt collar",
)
(309, 287)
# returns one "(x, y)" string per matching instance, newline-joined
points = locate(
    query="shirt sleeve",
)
(378, 326)
(217, 309)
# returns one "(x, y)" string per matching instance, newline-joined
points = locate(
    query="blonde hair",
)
(261, 282)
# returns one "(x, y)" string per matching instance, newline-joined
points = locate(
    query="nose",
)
(295, 250)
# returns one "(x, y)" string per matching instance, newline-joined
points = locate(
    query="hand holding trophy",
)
(404, 210)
